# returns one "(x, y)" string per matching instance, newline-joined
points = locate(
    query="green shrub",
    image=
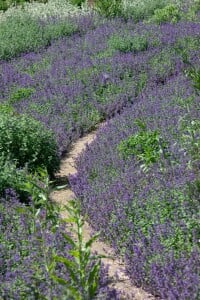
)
(184, 46)
(162, 64)
(108, 8)
(19, 94)
(194, 74)
(6, 109)
(18, 34)
(26, 141)
(5, 4)
(190, 141)
(21, 33)
(140, 10)
(157, 209)
(169, 13)
(10, 176)
(58, 29)
(129, 43)
(147, 146)
(77, 2)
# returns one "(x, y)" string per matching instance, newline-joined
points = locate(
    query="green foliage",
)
(6, 109)
(84, 268)
(185, 45)
(190, 139)
(108, 8)
(37, 186)
(83, 74)
(20, 94)
(37, 66)
(89, 115)
(77, 2)
(128, 43)
(10, 176)
(158, 209)
(194, 74)
(147, 146)
(58, 29)
(142, 80)
(26, 142)
(169, 13)
(22, 33)
(192, 13)
(194, 193)
(140, 10)
(5, 4)
(162, 64)
(18, 34)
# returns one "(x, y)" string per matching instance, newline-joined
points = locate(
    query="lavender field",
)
(138, 183)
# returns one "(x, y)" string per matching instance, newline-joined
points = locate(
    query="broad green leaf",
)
(60, 187)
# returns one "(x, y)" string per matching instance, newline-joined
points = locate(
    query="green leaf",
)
(72, 291)
(74, 253)
(69, 240)
(85, 257)
(60, 187)
(91, 240)
(50, 266)
(71, 266)
(93, 279)
(101, 256)
(69, 220)
(59, 280)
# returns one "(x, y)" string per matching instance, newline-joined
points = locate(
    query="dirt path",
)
(120, 282)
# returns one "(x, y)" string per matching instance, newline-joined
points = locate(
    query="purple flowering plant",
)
(150, 218)
(39, 258)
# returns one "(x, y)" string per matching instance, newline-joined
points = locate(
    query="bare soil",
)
(120, 281)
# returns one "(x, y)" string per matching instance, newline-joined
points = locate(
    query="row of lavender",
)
(83, 79)
(139, 185)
